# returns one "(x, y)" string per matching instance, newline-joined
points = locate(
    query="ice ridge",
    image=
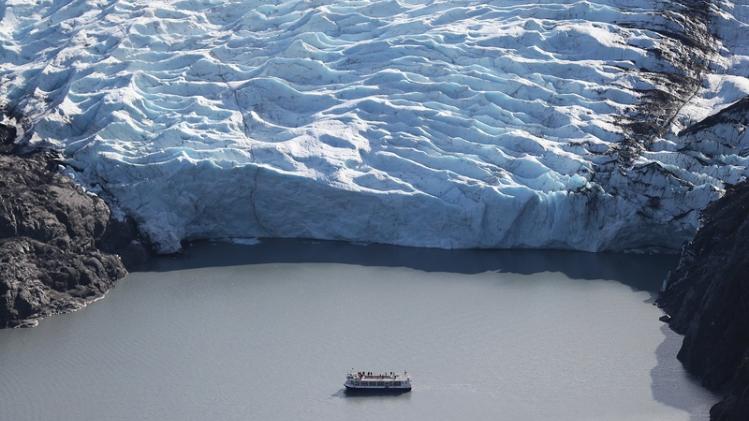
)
(545, 124)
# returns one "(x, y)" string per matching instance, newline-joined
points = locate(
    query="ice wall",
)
(428, 123)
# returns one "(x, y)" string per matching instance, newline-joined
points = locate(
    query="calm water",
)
(267, 332)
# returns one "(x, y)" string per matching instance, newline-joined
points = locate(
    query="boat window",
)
(380, 383)
(396, 383)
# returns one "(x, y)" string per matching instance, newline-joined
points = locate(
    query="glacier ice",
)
(556, 124)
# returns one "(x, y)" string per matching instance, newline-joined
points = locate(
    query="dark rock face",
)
(57, 243)
(707, 297)
(7, 138)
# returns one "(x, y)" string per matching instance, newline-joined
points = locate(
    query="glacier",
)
(588, 125)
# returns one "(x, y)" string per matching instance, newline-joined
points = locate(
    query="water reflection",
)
(640, 272)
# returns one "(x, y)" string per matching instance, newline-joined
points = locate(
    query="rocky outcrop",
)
(707, 298)
(59, 246)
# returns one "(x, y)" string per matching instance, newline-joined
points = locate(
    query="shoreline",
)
(60, 246)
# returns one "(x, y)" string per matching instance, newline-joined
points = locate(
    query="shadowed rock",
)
(707, 297)
(57, 243)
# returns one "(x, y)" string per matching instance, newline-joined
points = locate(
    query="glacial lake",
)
(268, 331)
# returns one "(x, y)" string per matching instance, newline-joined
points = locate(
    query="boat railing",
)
(371, 376)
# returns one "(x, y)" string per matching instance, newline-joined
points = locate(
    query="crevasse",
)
(426, 123)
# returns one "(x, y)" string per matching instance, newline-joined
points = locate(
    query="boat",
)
(368, 382)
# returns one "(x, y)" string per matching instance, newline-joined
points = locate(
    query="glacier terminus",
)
(589, 125)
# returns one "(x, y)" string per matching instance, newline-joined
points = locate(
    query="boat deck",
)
(367, 380)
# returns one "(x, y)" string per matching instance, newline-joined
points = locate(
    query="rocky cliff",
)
(707, 297)
(59, 246)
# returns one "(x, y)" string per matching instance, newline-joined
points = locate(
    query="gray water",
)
(267, 332)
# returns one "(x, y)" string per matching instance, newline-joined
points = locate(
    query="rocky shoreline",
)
(60, 247)
(707, 300)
